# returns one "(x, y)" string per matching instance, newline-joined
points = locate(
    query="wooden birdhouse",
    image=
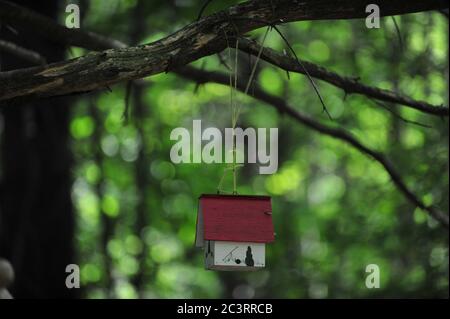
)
(233, 231)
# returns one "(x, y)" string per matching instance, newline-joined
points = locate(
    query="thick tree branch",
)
(349, 85)
(196, 40)
(280, 104)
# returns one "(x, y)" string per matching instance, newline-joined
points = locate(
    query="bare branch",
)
(194, 41)
(45, 27)
(280, 104)
(349, 85)
(202, 9)
(398, 116)
(25, 54)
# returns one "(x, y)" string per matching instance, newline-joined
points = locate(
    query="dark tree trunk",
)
(36, 217)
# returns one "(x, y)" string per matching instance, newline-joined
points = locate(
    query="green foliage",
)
(335, 210)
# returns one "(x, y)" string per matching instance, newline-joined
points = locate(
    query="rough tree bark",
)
(198, 39)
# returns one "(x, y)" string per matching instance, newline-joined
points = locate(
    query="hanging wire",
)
(235, 107)
(219, 187)
(252, 74)
(234, 116)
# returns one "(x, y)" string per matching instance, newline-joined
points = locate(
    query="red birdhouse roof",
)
(238, 218)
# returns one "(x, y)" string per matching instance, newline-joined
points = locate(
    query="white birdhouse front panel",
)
(224, 255)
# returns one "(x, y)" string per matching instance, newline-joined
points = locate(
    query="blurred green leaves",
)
(82, 127)
(335, 210)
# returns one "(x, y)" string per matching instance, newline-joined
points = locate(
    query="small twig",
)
(223, 62)
(401, 118)
(316, 89)
(197, 87)
(287, 72)
(399, 34)
(13, 30)
(126, 109)
(273, 26)
(203, 8)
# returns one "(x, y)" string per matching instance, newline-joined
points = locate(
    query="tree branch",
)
(47, 28)
(349, 85)
(194, 41)
(280, 104)
(22, 53)
(199, 39)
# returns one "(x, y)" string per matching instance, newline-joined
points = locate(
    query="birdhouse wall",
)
(224, 255)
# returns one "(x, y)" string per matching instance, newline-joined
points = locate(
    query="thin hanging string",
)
(235, 107)
(252, 74)
(233, 88)
(234, 117)
(219, 187)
